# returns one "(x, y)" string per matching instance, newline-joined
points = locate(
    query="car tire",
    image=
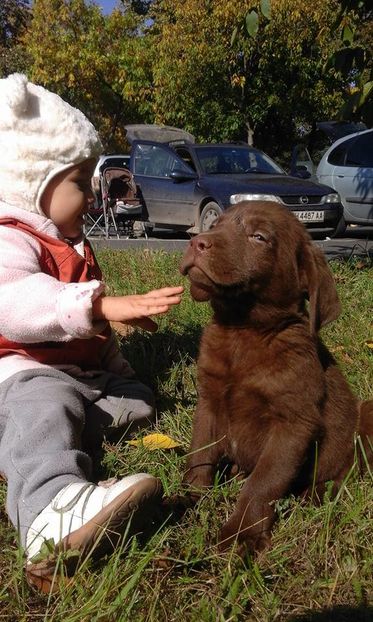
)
(340, 229)
(209, 216)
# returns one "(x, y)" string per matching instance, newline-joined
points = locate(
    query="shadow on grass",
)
(337, 614)
(162, 358)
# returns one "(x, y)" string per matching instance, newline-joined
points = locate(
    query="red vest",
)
(61, 261)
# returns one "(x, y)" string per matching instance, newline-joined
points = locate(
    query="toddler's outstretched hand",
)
(136, 309)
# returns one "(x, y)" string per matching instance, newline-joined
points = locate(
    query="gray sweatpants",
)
(51, 424)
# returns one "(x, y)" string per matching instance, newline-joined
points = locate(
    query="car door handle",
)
(340, 176)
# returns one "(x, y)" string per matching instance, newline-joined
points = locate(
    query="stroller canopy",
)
(118, 184)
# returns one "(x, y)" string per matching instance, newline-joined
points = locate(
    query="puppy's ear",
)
(317, 282)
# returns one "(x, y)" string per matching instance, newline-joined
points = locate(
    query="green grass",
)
(321, 557)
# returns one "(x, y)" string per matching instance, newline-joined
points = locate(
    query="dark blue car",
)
(186, 186)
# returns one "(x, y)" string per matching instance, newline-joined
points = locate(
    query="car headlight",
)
(332, 198)
(237, 198)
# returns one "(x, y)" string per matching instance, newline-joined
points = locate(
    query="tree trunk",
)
(250, 134)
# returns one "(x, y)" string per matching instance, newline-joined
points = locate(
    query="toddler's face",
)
(67, 196)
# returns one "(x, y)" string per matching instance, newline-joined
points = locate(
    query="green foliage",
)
(353, 58)
(224, 70)
(284, 89)
(253, 16)
(14, 16)
(191, 75)
(252, 23)
(14, 20)
(223, 83)
(98, 63)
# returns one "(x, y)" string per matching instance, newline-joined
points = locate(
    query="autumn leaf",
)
(155, 441)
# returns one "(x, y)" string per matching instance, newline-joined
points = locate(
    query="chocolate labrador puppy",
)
(271, 398)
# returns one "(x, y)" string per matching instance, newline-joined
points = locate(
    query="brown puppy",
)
(271, 397)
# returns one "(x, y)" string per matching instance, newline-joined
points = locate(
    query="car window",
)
(360, 152)
(185, 156)
(337, 156)
(235, 160)
(357, 151)
(156, 161)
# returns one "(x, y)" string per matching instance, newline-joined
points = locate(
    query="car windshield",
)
(235, 160)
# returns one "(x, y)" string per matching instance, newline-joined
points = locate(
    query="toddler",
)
(63, 380)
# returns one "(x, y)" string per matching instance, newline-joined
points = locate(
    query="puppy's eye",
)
(258, 236)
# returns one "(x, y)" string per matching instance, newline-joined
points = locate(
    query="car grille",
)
(304, 199)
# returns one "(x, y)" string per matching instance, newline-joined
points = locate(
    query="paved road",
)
(357, 241)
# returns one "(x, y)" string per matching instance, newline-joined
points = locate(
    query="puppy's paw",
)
(245, 541)
(228, 535)
(253, 546)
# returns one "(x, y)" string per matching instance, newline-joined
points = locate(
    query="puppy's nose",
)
(200, 243)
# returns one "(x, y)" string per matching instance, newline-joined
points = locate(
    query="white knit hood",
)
(40, 136)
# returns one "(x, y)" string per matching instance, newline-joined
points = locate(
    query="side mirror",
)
(179, 175)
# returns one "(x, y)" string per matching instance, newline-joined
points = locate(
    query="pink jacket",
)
(35, 307)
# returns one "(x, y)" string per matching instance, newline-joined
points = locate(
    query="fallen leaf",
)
(369, 344)
(155, 441)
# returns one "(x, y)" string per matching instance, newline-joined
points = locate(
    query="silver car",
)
(347, 166)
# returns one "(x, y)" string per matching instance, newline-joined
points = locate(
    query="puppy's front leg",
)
(276, 469)
(207, 448)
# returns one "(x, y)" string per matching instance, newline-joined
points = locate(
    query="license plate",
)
(310, 216)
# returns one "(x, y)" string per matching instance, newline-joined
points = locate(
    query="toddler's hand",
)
(136, 309)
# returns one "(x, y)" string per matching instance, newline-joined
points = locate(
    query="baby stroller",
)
(119, 199)
(117, 206)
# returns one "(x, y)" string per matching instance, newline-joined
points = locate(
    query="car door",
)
(301, 163)
(349, 170)
(166, 183)
(355, 178)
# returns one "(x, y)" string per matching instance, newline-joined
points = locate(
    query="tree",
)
(94, 61)
(192, 87)
(353, 58)
(14, 19)
(215, 80)
(285, 88)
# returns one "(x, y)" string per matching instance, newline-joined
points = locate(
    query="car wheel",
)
(340, 229)
(209, 216)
